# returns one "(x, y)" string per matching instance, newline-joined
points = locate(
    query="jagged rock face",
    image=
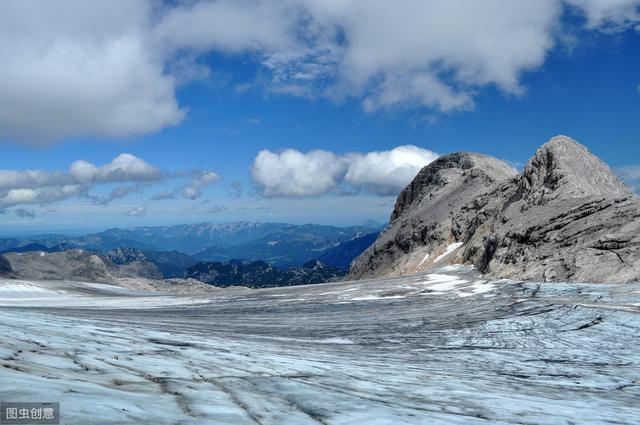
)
(5, 266)
(567, 217)
(421, 221)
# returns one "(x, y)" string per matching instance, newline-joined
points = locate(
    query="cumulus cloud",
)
(111, 69)
(200, 179)
(387, 172)
(72, 69)
(124, 167)
(295, 174)
(137, 212)
(42, 187)
(292, 173)
(192, 190)
(612, 15)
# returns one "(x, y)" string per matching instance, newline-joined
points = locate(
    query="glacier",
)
(447, 347)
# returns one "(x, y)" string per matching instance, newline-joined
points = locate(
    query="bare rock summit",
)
(566, 217)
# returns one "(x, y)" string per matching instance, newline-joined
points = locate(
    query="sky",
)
(133, 112)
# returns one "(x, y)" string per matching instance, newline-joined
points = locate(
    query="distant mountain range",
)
(175, 251)
(277, 243)
(258, 274)
(343, 254)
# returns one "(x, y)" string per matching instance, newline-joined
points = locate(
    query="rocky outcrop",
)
(567, 217)
(77, 265)
(5, 266)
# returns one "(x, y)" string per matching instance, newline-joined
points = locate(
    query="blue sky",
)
(195, 91)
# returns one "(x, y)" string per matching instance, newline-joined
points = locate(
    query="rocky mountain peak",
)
(123, 255)
(450, 169)
(564, 168)
(567, 217)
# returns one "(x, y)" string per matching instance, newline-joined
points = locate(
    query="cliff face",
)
(421, 224)
(567, 217)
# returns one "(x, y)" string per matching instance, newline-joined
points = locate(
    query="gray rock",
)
(5, 266)
(421, 222)
(567, 217)
(77, 265)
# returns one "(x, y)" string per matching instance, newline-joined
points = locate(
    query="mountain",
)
(31, 246)
(281, 244)
(80, 265)
(342, 255)
(421, 222)
(280, 253)
(121, 256)
(566, 217)
(172, 264)
(284, 245)
(194, 238)
(259, 274)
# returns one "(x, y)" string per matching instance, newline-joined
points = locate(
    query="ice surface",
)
(443, 348)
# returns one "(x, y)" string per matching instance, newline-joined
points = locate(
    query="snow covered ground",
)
(445, 348)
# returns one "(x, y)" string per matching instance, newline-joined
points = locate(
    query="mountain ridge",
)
(566, 217)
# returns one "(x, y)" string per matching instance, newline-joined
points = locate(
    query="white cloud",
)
(137, 212)
(200, 179)
(387, 172)
(435, 53)
(111, 69)
(227, 25)
(73, 69)
(124, 167)
(42, 195)
(295, 174)
(42, 187)
(292, 173)
(613, 15)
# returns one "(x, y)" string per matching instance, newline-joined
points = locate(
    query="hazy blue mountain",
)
(192, 238)
(171, 263)
(342, 255)
(259, 274)
(171, 248)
